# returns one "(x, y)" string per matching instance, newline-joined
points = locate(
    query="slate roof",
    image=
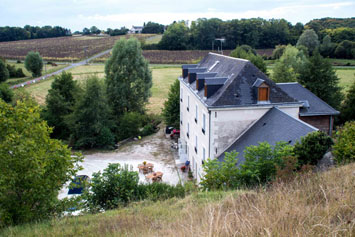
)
(273, 127)
(313, 105)
(238, 89)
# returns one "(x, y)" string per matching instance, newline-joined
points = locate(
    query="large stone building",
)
(227, 104)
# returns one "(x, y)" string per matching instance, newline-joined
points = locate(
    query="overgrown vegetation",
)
(344, 148)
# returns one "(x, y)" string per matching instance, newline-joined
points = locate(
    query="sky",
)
(77, 14)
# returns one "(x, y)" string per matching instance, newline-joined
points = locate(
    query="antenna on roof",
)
(222, 41)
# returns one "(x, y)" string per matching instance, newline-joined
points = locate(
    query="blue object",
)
(187, 163)
(78, 184)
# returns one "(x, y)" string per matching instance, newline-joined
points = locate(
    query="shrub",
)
(312, 147)
(4, 73)
(129, 125)
(344, 148)
(13, 72)
(6, 93)
(161, 191)
(116, 186)
(261, 162)
(278, 51)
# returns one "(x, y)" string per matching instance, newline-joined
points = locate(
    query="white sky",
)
(77, 14)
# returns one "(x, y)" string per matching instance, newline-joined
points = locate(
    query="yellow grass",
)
(321, 204)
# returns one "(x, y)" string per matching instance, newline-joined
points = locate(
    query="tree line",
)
(8, 33)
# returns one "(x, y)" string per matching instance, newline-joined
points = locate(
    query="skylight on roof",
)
(213, 66)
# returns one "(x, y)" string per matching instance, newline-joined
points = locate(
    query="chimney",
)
(185, 69)
(212, 85)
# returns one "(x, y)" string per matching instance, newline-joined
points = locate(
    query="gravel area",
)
(155, 149)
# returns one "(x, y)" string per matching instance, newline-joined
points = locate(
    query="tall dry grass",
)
(321, 204)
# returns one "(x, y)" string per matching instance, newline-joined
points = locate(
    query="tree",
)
(346, 49)
(90, 123)
(128, 78)
(327, 47)
(347, 112)
(94, 30)
(289, 66)
(309, 39)
(4, 73)
(60, 103)
(246, 52)
(33, 167)
(86, 31)
(319, 77)
(171, 110)
(153, 28)
(176, 37)
(6, 93)
(278, 51)
(34, 63)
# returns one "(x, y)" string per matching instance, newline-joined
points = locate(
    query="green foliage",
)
(346, 49)
(94, 30)
(13, 72)
(129, 125)
(204, 32)
(288, 67)
(278, 51)
(160, 191)
(171, 110)
(60, 103)
(312, 148)
(327, 47)
(248, 53)
(221, 175)
(347, 111)
(34, 63)
(128, 78)
(33, 167)
(341, 33)
(309, 39)
(344, 148)
(176, 37)
(261, 162)
(90, 124)
(4, 72)
(318, 76)
(6, 94)
(153, 28)
(116, 186)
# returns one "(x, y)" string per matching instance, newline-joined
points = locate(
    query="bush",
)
(346, 49)
(312, 148)
(13, 72)
(116, 186)
(4, 73)
(344, 148)
(6, 93)
(129, 125)
(161, 191)
(261, 162)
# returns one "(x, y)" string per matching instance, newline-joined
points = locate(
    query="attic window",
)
(213, 66)
(263, 93)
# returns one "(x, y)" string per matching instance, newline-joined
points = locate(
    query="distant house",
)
(136, 30)
(227, 104)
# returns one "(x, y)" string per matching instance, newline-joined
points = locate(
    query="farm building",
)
(136, 30)
(227, 104)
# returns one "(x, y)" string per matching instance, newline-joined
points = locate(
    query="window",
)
(263, 94)
(196, 144)
(188, 103)
(203, 123)
(215, 114)
(181, 94)
(196, 113)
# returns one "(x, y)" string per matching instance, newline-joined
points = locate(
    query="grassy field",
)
(163, 77)
(315, 204)
(154, 39)
(347, 77)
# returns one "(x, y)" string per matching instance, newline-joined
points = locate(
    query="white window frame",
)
(196, 113)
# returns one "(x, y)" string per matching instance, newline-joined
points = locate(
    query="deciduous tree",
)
(34, 63)
(128, 78)
(33, 167)
(309, 39)
(171, 110)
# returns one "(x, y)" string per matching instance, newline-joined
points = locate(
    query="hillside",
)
(320, 204)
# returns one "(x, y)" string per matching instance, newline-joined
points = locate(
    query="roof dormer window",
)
(262, 91)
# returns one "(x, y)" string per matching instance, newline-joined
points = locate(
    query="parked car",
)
(79, 183)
